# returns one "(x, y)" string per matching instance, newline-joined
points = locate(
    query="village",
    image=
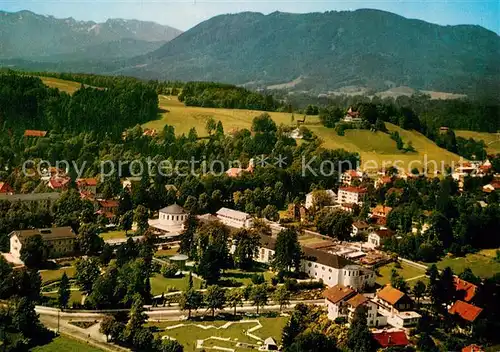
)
(349, 268)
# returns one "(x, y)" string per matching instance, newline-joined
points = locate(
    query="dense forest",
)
(217, 95)
(26, 103)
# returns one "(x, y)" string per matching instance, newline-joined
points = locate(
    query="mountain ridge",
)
(362, 47)
(30, 36)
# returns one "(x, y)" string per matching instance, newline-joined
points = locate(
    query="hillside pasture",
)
(65, 86)
(375, 146)
(492, 140)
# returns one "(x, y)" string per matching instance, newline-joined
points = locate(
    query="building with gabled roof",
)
(87, 185)
(234, 218)
(466, 288)
(5, 188)
(467, 312)
(34, 133)
(386, 339)
(342, 302)
(377, 236)
(59, 240)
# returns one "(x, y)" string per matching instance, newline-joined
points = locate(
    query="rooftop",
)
(338, 293)
(392, 338)
(390, 294)
(465, 310)
(47, 234)
(468, 288)
(353, 189)
(35, 133)
(235, 214)
(173, 209)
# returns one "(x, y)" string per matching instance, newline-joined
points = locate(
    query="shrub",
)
(258, 279)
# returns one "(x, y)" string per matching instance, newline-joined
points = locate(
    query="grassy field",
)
(492, 140)
(374, 146)
(406, 271)
(48, 275)
(245, 277)
(65, 344)
(63, 85)
(113, 235)
(166, 252)
(481, 263)
(76, 296)
(160, 284)
(187, 335)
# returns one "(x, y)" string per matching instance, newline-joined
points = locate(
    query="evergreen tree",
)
(64, 291)
(359, 338)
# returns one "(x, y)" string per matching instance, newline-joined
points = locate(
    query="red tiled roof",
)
(353, 189)
(59, 182)
(338, 293)
(462, 285)
(472, 348)
(5, 188)
(86, 182)
(390, 294)
(381, 210)
(391, 338)
(395, 190)
(465, 310)
(110, 203)
(34, 133)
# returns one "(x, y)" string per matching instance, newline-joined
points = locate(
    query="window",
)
(323, 268)
(310, 264)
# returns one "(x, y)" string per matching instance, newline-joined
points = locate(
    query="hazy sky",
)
(184, 14)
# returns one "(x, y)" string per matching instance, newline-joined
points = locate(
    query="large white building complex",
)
(234, 218)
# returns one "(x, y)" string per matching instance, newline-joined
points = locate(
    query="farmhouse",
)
(353, 195)
(59, 240)
(234, 218)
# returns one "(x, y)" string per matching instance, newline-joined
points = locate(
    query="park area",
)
(482, 263)
(65, 344)
(237, 335)
(410, 273)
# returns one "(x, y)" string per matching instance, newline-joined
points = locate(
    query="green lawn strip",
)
(406, 271)
(65, 344)
(114, 235)
(187, 335)
(481, 263)
(75, 297)
(167, 252)
(49, 275)
(160, 284)
(245, 277)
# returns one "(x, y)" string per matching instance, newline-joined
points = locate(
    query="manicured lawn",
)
(188, 334)
(113, 235)
(406, 271)
(48, 275)
(76, 296)
(167, 252)
(65, 344)
(481, 263)
(245, 277)
(160, 284)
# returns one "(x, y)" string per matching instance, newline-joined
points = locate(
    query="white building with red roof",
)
(351, 195)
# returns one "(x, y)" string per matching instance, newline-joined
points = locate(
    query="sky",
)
(184, 14)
